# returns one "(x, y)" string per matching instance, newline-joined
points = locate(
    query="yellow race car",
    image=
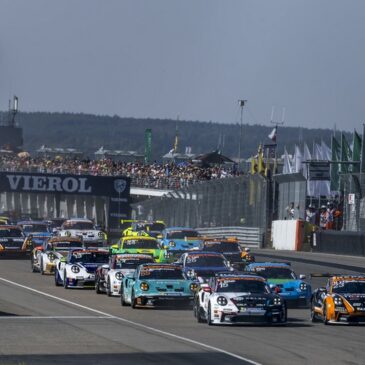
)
(143, 228)
(341, 301)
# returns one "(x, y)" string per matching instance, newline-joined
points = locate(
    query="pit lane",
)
(39, 329)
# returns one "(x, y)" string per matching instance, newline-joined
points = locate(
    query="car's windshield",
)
(354, 287)
(90, 257)
(140, 243)
(182, 234)
(131, 263)
(35, 228)
(15, 232)
(242, 286)
(222, 247)
(78, 225)
(161, 273)
(205, 261)
(269, 272)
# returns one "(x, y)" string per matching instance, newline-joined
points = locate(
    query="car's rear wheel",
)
(197, 312)
(41, 267)
(57, 283)
(122, 301)
(133, 300)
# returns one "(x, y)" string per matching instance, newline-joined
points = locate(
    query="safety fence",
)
(247, 236)
(232, 202)
(339, 242)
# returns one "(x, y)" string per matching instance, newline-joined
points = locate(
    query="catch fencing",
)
(231, 202)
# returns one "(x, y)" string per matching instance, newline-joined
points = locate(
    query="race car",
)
(108, 278)
(12, 240)
(156, 284)
(36, 232)
(203, 265)
(177, 240)
(85, 228)
(4, 221)
(45, 258)
(78, 269)
(280, 275)
(341, 301)
(238, 298)
(144, 245)
(143, 228)
(231, 250)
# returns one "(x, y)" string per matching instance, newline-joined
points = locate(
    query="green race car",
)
(143, 245)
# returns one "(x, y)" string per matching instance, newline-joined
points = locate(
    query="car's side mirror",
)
(302, 277)
(322, 290)
(206, 288)
(275, 289)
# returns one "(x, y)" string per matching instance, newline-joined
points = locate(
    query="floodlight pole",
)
(241, 104)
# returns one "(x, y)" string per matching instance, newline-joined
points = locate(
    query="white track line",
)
(52, 317)
(136, 324)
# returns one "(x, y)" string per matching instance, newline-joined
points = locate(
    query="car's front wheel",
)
(97, 286)
(57, 283)
(314, 317)
(65, 280)
(209, 316)
(108, 288)
(133, 300)
(324, 319)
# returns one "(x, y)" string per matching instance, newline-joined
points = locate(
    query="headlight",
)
(75, 269)
(167, 254)
(222, 301)
(193, 286)
(278, 301)
(172, 244)
(51, 256)
(338, 301)
(144, 286)
(303, 286)
(68, 233)
(101, 234)
(119, 276)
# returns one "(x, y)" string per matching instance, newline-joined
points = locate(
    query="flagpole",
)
(241, 104)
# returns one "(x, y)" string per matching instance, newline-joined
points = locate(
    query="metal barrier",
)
(247, 236)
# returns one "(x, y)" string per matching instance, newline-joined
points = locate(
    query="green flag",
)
(356, 152)
(147, 145)
(345, 154)
(362, 159)
(335, 156)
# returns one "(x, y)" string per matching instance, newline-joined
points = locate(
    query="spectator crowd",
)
(159, 176)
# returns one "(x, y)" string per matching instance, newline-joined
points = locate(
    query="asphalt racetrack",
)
(44, 324)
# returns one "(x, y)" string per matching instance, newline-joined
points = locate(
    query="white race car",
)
(85, 228)
(238, 298)
(78, 269)
(108, 278)
(45, 258)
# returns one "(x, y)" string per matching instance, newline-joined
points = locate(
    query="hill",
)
(89, 132)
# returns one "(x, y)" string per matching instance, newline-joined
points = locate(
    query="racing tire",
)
(197, 312)
(314, 317)
(209, 316)
(108, 291)
(97, 286)
(284, 317)
(56, 282)
(34, 269)
(41, 267)
(65, 281)
(324, 319)
(133, 300)
(123, 303)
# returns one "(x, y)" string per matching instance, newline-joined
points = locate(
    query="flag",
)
(326, 152)
(147, 145)
(273, 133)
(356, 152)
(345, 154)
(297, 162)
(287, 169)
(317, 152)
(260, 161)
(253, 166)
(362, 158)
(335, 156)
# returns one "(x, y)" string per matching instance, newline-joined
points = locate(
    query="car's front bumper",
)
(81, 282)
(249, 316)
(163, 299)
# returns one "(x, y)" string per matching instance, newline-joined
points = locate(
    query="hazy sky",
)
(192, 58)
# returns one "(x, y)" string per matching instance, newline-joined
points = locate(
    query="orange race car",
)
(341, 301)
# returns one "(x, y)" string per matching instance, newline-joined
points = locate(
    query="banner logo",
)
(120, 185)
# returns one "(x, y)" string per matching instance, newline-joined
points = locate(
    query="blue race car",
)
(154, 284)
(177, 240)
(294, 290)
(203, 265)
(36, 232)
